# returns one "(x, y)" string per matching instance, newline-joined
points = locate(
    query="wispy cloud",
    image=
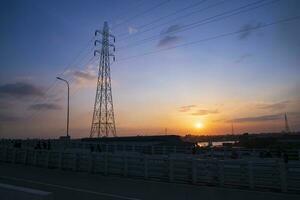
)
(44, 106)
(171, 29)
(85, 77)
(192, 110)
(273, 106)
(186, 108)
(20, 89)
(242, 58)
(168, 38)
(202, 112)
(261, 118)
(132, 30)
(23, 78)
(248, 29)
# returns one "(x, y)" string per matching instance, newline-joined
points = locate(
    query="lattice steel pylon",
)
(103, 122)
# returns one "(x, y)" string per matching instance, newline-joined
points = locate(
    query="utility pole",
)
(103, 121)
(68, 110)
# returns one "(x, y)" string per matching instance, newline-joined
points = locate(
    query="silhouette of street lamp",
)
(68, 113)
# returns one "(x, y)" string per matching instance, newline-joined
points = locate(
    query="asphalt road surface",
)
(83, 186)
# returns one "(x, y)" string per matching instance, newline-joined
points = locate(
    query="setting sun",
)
(199, 125)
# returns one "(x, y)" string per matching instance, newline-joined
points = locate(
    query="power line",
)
(66, 68)
(215, 37)
(46, 98)
(52, 85)
(175, 19)
(203, 22)
(90, 61)
(199, 23)
(76, 90)
(193, 5)
(121, 16)
(141, 14)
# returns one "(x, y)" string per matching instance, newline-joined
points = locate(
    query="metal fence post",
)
(106, 164)
(194, 171)
(171, 172)
(4, 155)
(250, 174)
(35, 158)
(146, 166)
(125, 164)
(152, 149)
(91, 162)
(221, 173)
(25, 157)
(47, 159)
(75, 158)
(283, 178)
(60, 160)
(14, 156)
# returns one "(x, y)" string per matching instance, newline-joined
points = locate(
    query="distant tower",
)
(232, 129)
(103, 123)
(287, 127)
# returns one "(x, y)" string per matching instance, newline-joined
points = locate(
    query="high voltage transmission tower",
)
(103, 122)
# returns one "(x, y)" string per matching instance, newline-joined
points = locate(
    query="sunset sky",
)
(250, 77)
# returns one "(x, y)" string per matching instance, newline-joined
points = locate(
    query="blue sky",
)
(242, 76)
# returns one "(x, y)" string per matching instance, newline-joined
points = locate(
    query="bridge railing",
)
(149, 149)
(261, 174)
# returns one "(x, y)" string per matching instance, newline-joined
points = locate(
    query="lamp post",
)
(68, 113)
